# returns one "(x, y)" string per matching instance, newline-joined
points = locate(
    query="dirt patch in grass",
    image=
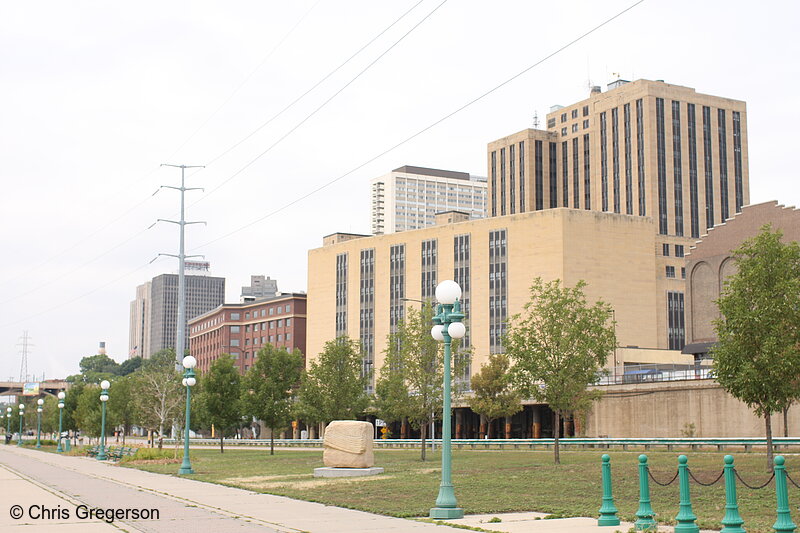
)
(291, 482)
(163, 461)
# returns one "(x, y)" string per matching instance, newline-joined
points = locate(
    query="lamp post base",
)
(446, 513)
(185, 470)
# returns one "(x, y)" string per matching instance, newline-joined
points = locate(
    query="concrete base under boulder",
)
(329, 471)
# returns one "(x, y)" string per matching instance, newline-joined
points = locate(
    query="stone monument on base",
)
(348, 450)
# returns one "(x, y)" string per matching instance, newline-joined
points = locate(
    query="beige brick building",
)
(642, 148)
(360, 285)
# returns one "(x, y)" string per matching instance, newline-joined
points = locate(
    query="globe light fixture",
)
(8, 423)
(447, 292)
(104, 385)
(21, 415)
(189, 381)
(40, 403)
(447, 326)
(61, 396)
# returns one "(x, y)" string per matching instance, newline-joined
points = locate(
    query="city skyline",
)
(98, 100)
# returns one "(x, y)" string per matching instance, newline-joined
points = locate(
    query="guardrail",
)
(530, 444)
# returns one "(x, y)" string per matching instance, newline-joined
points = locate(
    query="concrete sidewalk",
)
(31, 478)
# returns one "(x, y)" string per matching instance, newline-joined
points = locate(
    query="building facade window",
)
(676, 325)
(665, 250)
(428, 262)
(626, 119)
(565, 172)
(235, 329)
(603, 162)
(670, 271)
(640, 169)
(693, 197)
(493, 177)
(677, 167)
(661, 150)
(553, 167)
(538, 172)
(576, 176)
(615, 157)
(397, 285)
(678, 250)
(707, 167)
(366, 320)
(522, 176)
(498, 289)
(512, 159)
(737, 161)
(723, 164)
(461, 275)
(341, 295)
(502, 181)
(587, 189)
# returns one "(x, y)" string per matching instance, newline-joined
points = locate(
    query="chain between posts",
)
(657, 482)
(793, 482)
(752, 487)
(722, 473)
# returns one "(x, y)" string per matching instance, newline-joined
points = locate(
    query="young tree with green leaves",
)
(558, 345)
(494, 393)
(218, 403)
(269, 387)
(333, 387)
(757, 357)
(158, 393)
(121, 406)
(411, 382)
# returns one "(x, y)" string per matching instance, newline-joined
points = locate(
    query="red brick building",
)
(243, 329)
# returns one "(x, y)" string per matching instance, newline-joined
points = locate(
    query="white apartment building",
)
(409, 197)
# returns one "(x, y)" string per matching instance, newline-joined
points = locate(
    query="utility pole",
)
(23, 367)
(181, 328)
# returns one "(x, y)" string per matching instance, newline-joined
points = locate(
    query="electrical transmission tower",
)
(24, 345)
(182, 223)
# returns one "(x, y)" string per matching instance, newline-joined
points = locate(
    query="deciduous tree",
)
(558, 344)
(270, 385)
(158, 392)
(757, 358)
(494, 393)
(411, 382)
(218, 402)
(333, 387)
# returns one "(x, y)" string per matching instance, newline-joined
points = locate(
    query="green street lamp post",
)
(189, 381)
(61, 396)
(21, 414)
(39, 403)
(8, 424)
(448, 326)
(104, 385)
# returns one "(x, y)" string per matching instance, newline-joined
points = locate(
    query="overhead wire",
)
(222, 154)
(318, 108)
(423, 130)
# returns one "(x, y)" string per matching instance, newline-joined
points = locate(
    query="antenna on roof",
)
(536, 120)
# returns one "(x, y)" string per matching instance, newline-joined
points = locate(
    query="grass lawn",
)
(498, 481)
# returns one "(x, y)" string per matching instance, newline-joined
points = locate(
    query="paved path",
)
(52, 490)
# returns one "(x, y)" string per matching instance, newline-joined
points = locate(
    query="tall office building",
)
(260, 287)
(154, 313)
(409, 197)
(642, 148)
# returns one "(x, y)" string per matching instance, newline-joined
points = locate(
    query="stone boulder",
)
(348, 444)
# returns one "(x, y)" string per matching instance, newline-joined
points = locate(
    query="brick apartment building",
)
(242, 329)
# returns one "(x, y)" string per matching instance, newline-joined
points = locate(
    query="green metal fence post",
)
(685, 518)
(644, 515)
(732, 520)
(608, 512)
(784, 522)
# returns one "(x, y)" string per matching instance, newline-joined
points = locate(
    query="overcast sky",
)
(96, 95)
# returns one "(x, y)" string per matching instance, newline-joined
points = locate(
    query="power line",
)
(319, 108)
(224, 153)
(317, 84)
(242, 84)
(423, 130)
